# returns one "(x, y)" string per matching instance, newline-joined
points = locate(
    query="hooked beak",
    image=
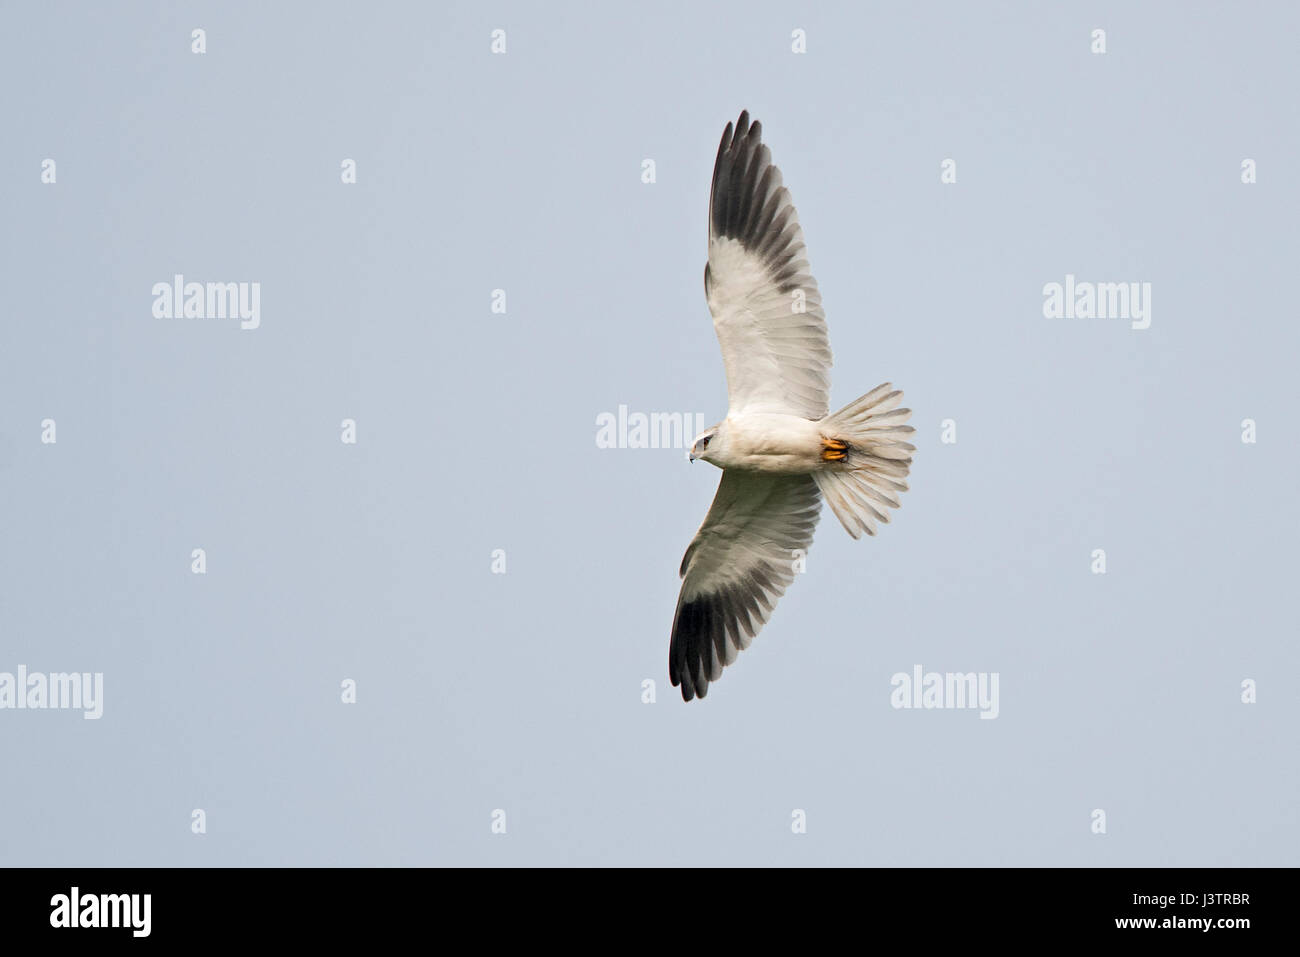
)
(691, 455)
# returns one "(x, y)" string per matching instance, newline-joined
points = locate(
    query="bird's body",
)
(770, 442)
(780, 450)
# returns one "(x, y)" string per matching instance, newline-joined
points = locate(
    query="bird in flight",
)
(779, 449)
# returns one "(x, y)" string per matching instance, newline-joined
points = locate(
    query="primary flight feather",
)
(779, 449)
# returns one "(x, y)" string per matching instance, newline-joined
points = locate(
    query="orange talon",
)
(834, 450)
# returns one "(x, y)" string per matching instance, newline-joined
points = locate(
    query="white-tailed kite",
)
(779, 449)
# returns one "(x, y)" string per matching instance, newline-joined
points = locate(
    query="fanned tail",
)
(865, 459)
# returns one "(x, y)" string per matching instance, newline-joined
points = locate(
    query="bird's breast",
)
(771, 442)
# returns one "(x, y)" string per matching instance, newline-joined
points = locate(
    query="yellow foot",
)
(834, 450)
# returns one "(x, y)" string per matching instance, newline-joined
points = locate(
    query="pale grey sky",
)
(476, 431)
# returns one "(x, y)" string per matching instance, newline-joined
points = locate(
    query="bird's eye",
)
(705, 443)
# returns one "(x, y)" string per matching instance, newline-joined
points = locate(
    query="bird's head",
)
(705, 445)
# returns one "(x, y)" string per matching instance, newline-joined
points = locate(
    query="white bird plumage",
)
(779, 449)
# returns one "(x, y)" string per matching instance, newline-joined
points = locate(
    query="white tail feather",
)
(861, 487)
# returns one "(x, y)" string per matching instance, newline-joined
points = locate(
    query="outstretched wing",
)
(766, 308)
(739, 563)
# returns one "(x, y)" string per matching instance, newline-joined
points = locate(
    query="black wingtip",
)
(739, 203)
(724, 145)
(697, 628)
